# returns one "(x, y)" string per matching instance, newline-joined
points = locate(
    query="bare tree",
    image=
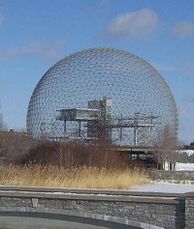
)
(15, 144)
(3, 127)
(66, 153)
(166, 147)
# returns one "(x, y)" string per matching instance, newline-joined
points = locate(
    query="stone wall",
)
(189, 210)
(178, 177)
(140, 210)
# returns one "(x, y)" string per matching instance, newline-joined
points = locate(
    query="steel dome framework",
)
(135, 88)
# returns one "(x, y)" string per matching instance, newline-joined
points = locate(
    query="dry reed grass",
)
(83, 177)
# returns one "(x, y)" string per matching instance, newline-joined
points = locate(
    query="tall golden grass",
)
(83, 177)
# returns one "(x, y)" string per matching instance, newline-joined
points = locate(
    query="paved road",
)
(13, 222)
(36, 223)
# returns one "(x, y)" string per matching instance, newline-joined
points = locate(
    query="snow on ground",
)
(165, 188)
(184, 166)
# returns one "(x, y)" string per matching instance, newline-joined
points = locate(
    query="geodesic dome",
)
(133, 85)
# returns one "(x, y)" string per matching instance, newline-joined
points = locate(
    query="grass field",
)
(83, 177)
